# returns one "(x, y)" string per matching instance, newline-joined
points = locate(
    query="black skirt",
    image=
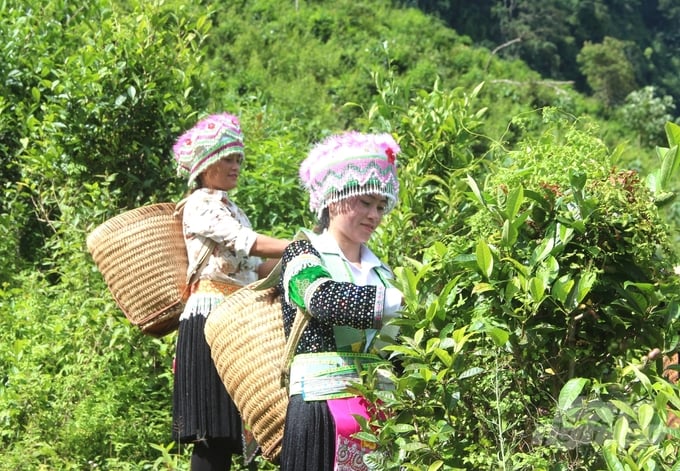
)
(308, 437)
(202, 408)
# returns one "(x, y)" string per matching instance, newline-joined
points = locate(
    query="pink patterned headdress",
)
(351, 164)
(212, 138)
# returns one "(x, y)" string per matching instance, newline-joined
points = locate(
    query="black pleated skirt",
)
(202, 408)
(308, 437)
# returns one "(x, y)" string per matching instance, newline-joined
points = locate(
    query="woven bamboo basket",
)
(247, 344)
(142, 256)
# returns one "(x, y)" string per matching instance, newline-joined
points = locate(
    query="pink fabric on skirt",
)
(349, 451)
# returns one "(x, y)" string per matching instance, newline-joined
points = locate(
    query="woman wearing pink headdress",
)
(210, 154)
(352, 183)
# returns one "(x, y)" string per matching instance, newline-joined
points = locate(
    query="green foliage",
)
(336, 48)
(645, 114)
(548, 34)
(570, 247)
(542, 33)
(534, 271)
(438, 140)
(75, 389)
(564, 265)
(82, 100)
(608, 71)
(51, 395)
(269, 189)
(86, 112)
(630, 425)
(660, 181)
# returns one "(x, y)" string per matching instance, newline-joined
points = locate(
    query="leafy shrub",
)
(559, 266)
(83, 102)
(646, 114)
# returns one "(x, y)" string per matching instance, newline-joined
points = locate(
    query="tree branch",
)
(498, 48)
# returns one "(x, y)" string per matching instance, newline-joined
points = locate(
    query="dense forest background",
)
(549, 36)
(535, 239)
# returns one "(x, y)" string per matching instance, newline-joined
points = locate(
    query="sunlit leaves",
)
(484, 258)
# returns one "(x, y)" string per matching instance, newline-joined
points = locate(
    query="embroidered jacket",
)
(307, 282)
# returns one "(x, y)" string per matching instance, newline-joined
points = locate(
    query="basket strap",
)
(299, 325)
(203, 257)
(179, 207)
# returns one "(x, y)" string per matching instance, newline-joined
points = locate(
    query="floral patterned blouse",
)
(210, 214)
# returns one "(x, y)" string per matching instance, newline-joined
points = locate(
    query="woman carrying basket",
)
(352, 182)
(210, 154)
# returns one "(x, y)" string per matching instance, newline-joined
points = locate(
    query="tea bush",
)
(556, 266)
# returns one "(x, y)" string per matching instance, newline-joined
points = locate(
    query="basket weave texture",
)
(142, 256)
(247, 344)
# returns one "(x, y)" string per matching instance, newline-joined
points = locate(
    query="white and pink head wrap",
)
(212, 138)
(351, 164)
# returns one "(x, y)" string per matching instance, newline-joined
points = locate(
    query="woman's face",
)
(223, 174)
(355, 219)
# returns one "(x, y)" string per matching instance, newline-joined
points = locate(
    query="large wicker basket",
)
(142, 256)
(247, 344)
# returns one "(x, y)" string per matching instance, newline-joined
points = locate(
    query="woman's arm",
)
(266, 267)
(268, 247)
(308, 284)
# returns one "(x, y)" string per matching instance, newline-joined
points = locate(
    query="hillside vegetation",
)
(534, 240)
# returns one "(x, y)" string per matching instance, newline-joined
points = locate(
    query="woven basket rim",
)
(142, 256)
(120, 220)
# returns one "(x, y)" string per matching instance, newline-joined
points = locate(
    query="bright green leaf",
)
(669, 166)
(609, 450)
(562, 287)
(403, 428)
(625, 408)
(584, 285)
(570, 391)
(542, 251)
(620, 431)
(484, 258)
(499, 336)
(444, 356)
(514, 202)
(426, 374)
(475, 189)
(477, 89)
(481, 288)
(418, 336)
(672, 133)
(645, 416)
(509, 234)
(435, 466)
(537, 289)
(470, 372)
(565, 233)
